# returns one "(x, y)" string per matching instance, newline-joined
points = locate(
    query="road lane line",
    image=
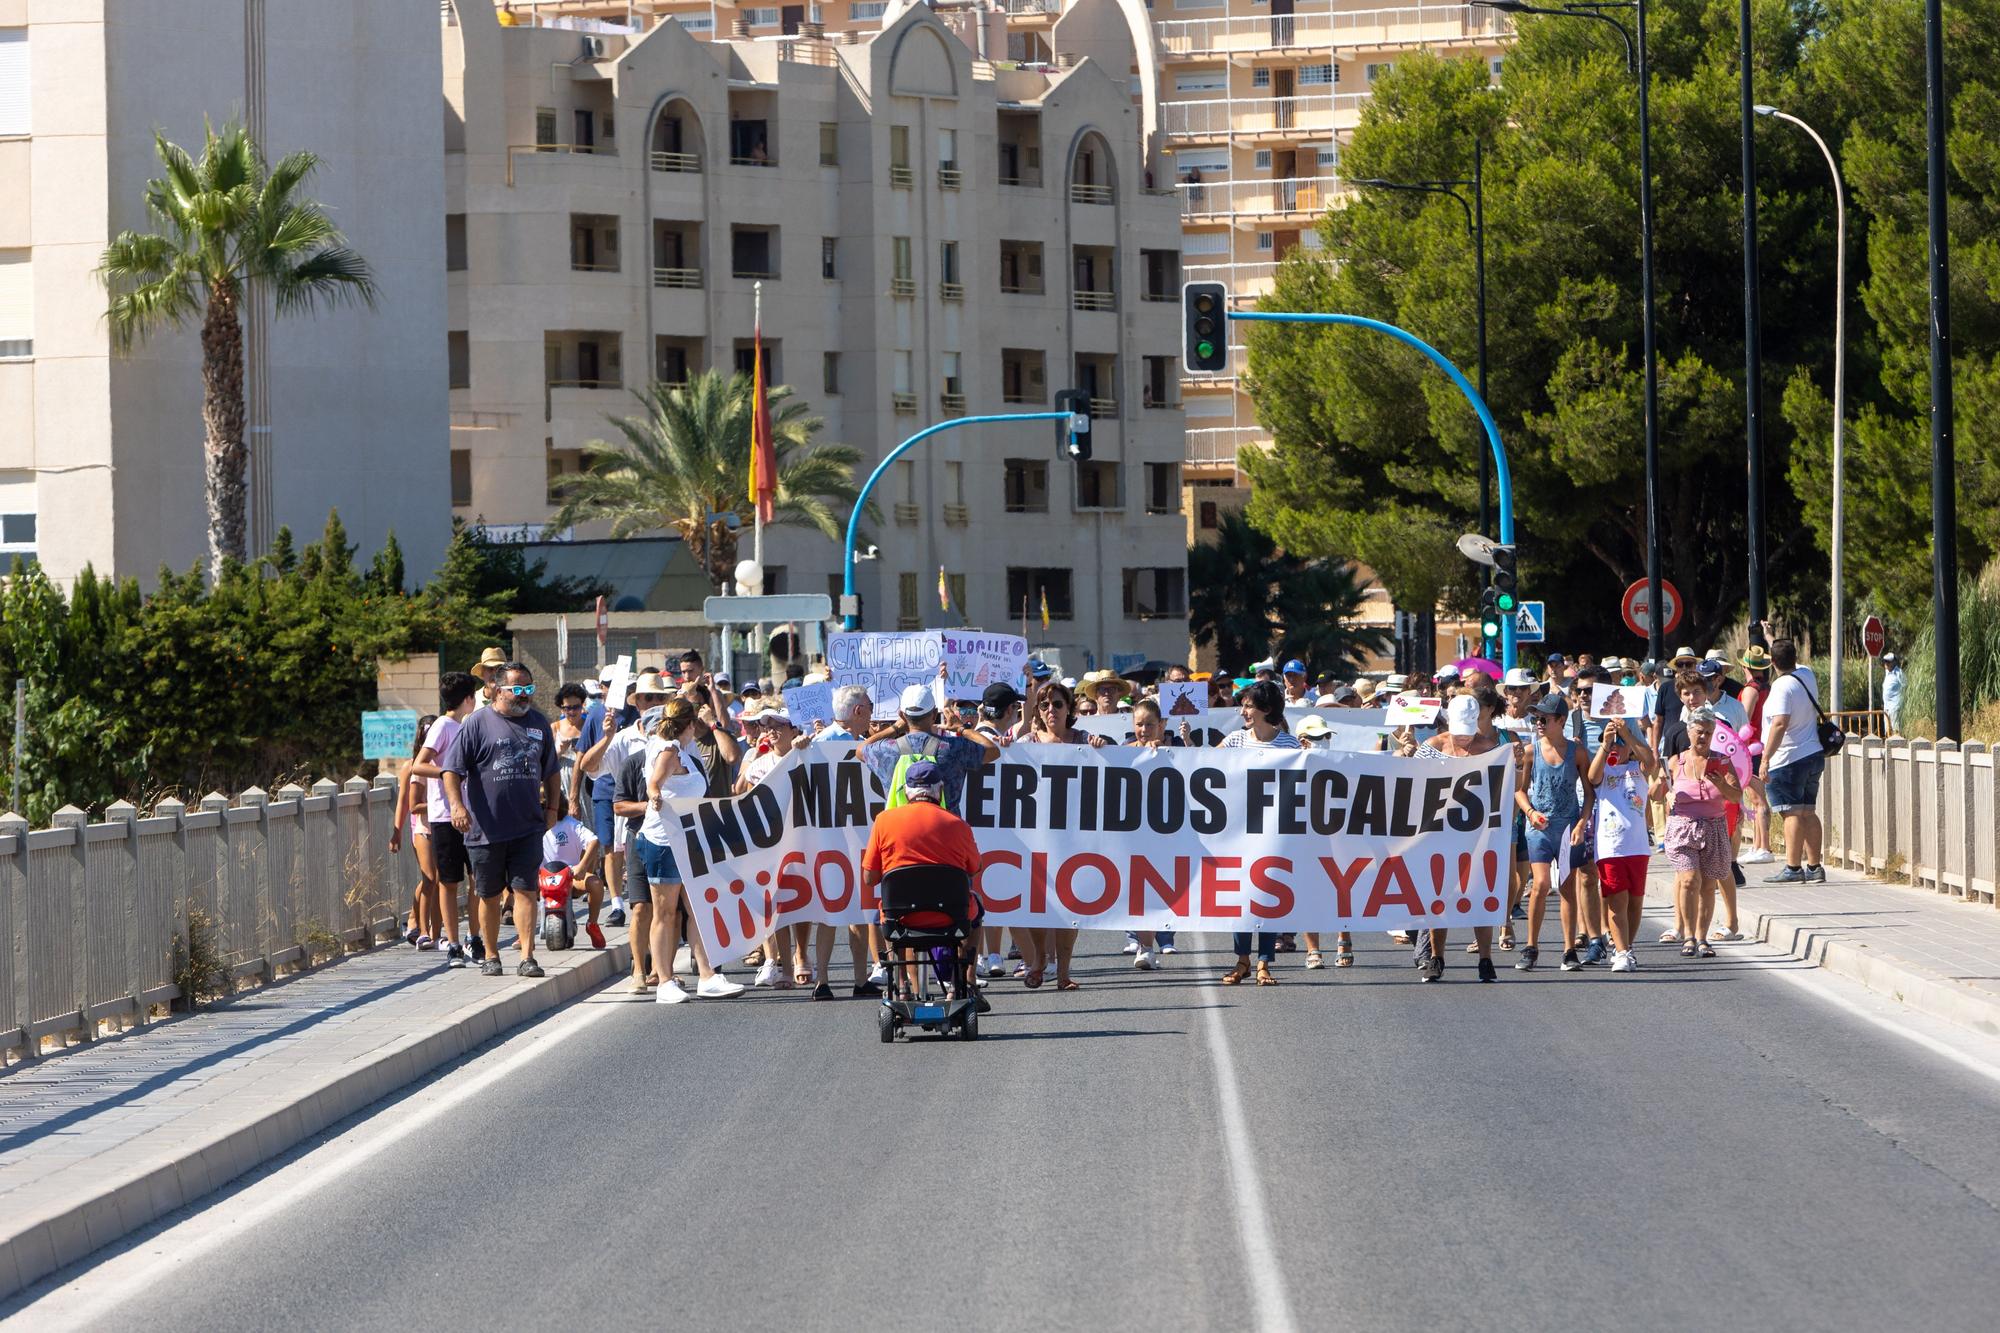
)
(1253, 1227)
(87, 1299)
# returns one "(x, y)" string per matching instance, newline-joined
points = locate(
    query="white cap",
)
(1518, 677)
(593, 687)
(1461, 716)
(1396, 682)
(917, 701)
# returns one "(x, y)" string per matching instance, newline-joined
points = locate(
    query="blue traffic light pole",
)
(868, 487)
(1507, 622)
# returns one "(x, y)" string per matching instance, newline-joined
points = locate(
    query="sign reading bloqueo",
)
(1127, 839)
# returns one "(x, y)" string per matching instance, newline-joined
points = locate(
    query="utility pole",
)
(1753, 341)
(1944, 469)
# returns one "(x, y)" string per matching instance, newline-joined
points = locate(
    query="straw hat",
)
(490, 660)
(1092, 679)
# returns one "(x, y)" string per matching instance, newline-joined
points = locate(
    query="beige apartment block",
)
(936, 236)
(101, 456)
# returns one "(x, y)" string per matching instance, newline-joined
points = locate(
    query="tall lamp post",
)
(1839, 386)
(1944, 467)
(1475, 227)
(1753, 343)
(1635, 61)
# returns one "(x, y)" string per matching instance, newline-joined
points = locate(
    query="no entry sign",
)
(1636, 610)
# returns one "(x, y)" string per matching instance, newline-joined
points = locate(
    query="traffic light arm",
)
(867, 487)
(1443, 363)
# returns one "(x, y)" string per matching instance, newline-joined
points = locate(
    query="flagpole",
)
(756, 405)
(757, 337)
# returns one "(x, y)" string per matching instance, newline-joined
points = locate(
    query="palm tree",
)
(685, 465)
(1246, 595)
(226, 222)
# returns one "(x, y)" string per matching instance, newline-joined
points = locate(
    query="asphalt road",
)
(1697, 1145)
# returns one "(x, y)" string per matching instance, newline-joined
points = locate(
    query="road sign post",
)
(1638, 614)
(1874, 638)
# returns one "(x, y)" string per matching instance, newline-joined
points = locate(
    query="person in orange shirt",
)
(922, 833)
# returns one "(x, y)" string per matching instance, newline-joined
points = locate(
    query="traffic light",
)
(1074, 434)
(1205, 326)
(1505, 582)
(1490, 625)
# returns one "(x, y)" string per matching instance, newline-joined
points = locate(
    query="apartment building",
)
(935, 237)
(100, 455)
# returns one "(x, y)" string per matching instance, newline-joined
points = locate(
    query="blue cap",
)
(1295, 668)
(921, 777)
(1039, 669)
(1710, 667)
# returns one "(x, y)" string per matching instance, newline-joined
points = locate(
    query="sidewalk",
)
(96, 1143)
(1934, 953)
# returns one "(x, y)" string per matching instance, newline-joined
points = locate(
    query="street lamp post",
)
(1635, 60)
(1753, 346)
(1944, 466)
(1839, 523)
(1475, 227)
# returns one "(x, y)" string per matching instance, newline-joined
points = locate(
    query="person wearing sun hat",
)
(1296, 689)
(487, 668)
(1105, 688)
(1756, 663)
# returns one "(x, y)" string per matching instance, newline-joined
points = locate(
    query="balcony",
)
(1103, 409)
(951, 178)
(957, 515)
(1032, 8)
(1025, 180)
(903, 404)
(907, 514)
(1313, 34)
(1216, 446)
(952, 404)
(902, 286)
(1252, 201)
(1240, 278)
(1095, 300)
(1081, 193)
(677, 162)
(951, 291)
(684, 279)
(1273, 119)
(901, 178)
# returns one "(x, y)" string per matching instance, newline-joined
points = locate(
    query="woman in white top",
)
(1624, 772)
(1468, 730)
(1263, 706)
(673, 768)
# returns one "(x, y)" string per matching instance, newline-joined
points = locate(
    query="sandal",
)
(1689, 950)
(1067, 984)
(1344, 956)
(1313, 960)
(1507, 940)
(803, 976)
(1670, 936)
(1264, 977)
(1033, 980)
(1236, 974)
(1472, 947)
(755, 958)
(1707, 951)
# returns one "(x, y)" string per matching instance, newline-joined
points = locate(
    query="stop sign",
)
(1873, 637)
(1636, 610)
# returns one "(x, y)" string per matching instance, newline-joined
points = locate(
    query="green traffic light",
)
(1204, 350)
(1490, 629)
(1505, 601)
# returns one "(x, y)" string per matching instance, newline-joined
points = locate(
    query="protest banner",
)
(974, 660)
(1608, 701)
(807, 704)
(1348, 728)
(885, 664)
(389, 733)
(1124, 839)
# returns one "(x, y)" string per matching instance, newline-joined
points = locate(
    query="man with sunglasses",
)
(501, 783)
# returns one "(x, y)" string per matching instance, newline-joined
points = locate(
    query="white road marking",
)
(1253, 1228)
(1816, 983)
(88, 1299)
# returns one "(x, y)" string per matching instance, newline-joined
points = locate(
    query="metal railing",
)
(902, 178)
(1404, 26)
(737, 161)
(951, 291)
(676, 162)
(94, 917)
(688, 279)
(1237, 275)
(1104, 408)
(1027, 180)
(902, 286)
(953, 403)
(1256, 198)
(1219, 117)
(950, 178)
(1032, 6)
(1925, 811)
(1217, 445)
(577, 266)
(1022, 289)
(907, 513)
(583, 384)
(1095, 300)
(957, 515)
(1082, 192)
(903, 404)
(754, 275)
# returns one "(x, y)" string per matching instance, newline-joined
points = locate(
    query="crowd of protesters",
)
(1695, 777)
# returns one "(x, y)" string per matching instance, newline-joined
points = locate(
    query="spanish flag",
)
(944, 591)
(763, 452)
(1045, 608)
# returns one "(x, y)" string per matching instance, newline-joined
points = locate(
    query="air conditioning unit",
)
(593, 48)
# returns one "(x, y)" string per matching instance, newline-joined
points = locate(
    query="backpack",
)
(905, 756)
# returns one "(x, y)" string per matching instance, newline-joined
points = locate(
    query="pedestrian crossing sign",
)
(1528, 623)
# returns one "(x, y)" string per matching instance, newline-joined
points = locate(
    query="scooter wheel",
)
(885, 1023)
(969, 1028)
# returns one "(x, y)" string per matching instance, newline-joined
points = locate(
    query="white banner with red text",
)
(1126, 839)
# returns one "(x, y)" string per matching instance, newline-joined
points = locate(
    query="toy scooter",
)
(556, 882)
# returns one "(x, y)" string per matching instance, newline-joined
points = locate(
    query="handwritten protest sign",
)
(1182, 699)
(1608, 701)
(884, 663)
(1413, 712)
(807, 704)
(975, 660)
(1126, 839)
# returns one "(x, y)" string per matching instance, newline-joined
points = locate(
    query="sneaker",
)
(491, 968)
(1757, 856)
(1487, 972)
(616, 917)
(717, 987)
(867, 989)
(454, 956)
(411, 936)
(1520, 912)
(1570, 962)
(478, 949)
(822, 991)
(1789, 875)
(670, 992)
(878, 975)
(995, 966)
(1168, 948)
(767, 976)
(1526, 962)
(1434, 969)
(1143, 960)
(1594, 954)
(1621, 961)
(529, 968)
(1815, 874)
(1131, 945)
(596, 936)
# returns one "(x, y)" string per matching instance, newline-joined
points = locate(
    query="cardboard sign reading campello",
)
(887, 663)
(1125, 839)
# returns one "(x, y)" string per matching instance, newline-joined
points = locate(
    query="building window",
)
(902, 269)
(563, 464)
(1034, 588)
(1161, 272)
(458, 359)
(829, 256)
(1021, 267)
(14, 81)
(753, 252)
(1375, 71)
(17, 540)
(593, 243)
(1160, 385)
(1202, 81)
(1261, 160)
(1310, 75)
(1260, 77)
(1494, 65)
(829, 144)
(1163, 488)
(17, 305)
(746, 359)
(1097, 485)
(761, 16)
(829, 372)
(1153, 593)
(1211, 516)
(461, 478)
(1266, 242)
(909, 602)
(1027, 486)
(899, 146)
(862, 11)
(454, 242)
(948, 262)
(545, 128)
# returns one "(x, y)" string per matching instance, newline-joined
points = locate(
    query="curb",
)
(36, 1246)
(1905, 983)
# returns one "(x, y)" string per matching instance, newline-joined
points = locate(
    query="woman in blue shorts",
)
(1557, 807)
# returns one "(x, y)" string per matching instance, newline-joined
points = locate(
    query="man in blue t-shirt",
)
(503, 786)
(594, 794)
